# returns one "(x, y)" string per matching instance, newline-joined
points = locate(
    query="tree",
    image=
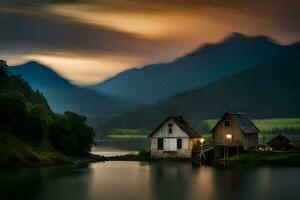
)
(60, 136)
(13, 115)
(37, 123)
(3, 73)
(3, 64)
(70, 134)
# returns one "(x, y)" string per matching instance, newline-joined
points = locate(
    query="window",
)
(226, 123)
(160, 143)
(228, 136)
(179, 143)
(170, 128)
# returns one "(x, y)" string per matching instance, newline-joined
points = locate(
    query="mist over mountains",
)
(157, 82)
(265, 91)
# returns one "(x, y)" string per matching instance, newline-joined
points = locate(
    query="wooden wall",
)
(221, 131)
(248, 141)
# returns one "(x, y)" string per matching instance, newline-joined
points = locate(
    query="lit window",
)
(229, 136)
(202, 140)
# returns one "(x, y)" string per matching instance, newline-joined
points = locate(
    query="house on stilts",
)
(235, 130)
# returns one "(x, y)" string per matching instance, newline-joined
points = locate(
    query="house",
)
(281, 142)
(173, 138)
(296, 144)
(235, 129)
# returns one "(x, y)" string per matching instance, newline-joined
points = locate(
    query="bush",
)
(143, 155)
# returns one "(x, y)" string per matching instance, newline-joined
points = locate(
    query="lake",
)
(144, 181)
(115, 147)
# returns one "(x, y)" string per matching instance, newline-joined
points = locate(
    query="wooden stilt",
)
(227, 151)
(215, 154)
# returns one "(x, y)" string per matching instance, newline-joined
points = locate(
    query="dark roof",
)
(295, 144)
(244, 123)
(183, 125)
(280, 137)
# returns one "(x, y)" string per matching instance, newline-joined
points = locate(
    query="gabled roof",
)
(183, 125)
(244, 123)
(279, 137)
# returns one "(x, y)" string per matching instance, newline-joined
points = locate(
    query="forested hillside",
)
(267, 90)
(30, 132)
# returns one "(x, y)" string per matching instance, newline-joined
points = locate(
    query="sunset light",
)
(149, 99)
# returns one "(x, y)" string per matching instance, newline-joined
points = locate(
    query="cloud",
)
(115, 35)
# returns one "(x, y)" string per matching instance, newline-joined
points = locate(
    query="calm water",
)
(162, 180)
(120, 146)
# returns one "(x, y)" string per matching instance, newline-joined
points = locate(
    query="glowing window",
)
(229, 136)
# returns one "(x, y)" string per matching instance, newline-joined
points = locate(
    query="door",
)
(170, 144)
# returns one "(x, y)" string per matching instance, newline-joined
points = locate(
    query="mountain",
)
(62, 95)
(207, 64)
(267, 90)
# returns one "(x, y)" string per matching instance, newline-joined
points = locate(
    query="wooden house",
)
(281, 142)
(235, 129)
(173, 138)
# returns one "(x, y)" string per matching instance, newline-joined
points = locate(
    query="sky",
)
(88, 41)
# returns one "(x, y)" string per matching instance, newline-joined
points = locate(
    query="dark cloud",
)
(24, 2)
(37, 34)
(33, 31)
(35, 26)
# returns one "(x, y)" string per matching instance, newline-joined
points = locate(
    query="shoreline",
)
(249, 159)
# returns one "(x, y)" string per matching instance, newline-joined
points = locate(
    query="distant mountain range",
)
(266, 90)
(62, 95)
(209, 63)
(250, 74)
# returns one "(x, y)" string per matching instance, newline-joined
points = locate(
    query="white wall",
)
(154, 144)
(170, 140)
(163, 131)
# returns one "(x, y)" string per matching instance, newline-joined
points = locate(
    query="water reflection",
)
(144, 181)
(133, 144)
(172, 181)
(31, 184)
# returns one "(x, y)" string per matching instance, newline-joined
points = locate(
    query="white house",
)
(173, 138)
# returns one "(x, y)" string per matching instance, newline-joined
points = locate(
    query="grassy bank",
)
(127, 134)
(17, 153)
(266, 157)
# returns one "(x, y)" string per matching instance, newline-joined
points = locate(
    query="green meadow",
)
(264, 125)
(126, 134)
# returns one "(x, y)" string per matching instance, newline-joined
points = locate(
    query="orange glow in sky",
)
(92, 41)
